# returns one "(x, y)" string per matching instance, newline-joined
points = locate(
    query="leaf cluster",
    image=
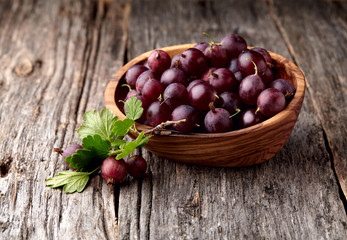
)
(102, 135)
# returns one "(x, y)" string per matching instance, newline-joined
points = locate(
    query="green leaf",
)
(117, 143)
(143, 141)
(70, 181)
(123, 145)
(134, 108)
(140, 136)
(100, 124)
(131, 146)
(95, 150)
(128, 148)
(122, 127)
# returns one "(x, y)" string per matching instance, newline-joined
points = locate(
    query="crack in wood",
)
(127, 12)
(125, 53)
(331, 157)
(138, 205)
(150, 204)
(116, 202)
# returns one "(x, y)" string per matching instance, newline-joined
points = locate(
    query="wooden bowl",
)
(248, 146)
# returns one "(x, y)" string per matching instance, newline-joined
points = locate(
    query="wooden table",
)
(56, 58)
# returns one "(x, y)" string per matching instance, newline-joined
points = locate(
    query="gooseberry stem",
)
(208, 35)
(237, 112)
(214, 74)
(211, 106)
(94, 170)
(126, 85)
(160, 98)
(212, 40)
(255, 66)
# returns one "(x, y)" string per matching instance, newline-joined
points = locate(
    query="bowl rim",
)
(110, 102)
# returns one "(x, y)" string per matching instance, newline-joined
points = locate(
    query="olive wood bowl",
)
(244, 147)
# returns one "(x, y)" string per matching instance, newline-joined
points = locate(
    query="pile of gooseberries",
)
(215, 87)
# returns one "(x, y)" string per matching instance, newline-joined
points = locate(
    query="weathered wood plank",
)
(56, 58)
(319, 49)
(60, 55)
(293, 196)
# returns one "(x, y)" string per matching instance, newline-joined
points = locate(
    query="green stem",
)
(256, 111)
(127, 85)
(212, 41)
(94, 170)
(208, 35)
(237, 112)
(255, 66)
(135, 129)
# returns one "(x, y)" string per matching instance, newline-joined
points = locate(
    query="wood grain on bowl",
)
(249, 146)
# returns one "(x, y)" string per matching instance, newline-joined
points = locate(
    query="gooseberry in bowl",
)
(261, 137)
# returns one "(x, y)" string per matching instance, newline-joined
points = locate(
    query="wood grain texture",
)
(319, 49)
(292, 196)
(56, 58)
(243, 147)
(55, 61)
